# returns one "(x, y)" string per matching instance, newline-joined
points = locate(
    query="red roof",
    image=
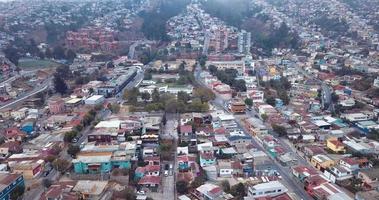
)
(13, 132)
(215, 190)
(186, 129)
(207, 156)
(149, 180)
(350, 161)
(302, 169)
(152, 168)
(337, 143)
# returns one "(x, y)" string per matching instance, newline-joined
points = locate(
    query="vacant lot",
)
(28, 63)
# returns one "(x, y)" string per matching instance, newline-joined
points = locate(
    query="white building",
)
(272, 189)
(95, 100)
(238, 65)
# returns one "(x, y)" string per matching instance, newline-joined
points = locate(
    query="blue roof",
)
(239, 137)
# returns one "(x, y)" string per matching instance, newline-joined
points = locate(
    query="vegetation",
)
(238, 191)
(17, 193)
(182, 187)
(280, 130)
(228, 77)
(61, 165)
(154, 22)
(232, 13)
(72, 150)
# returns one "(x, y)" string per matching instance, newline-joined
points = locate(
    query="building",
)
(91, 189)
(95, 100)
(369, 177)
(322, 162)
(271, 189)
(244, 42)
(210, 191)
(100, 162)
(238, 65)
(237, 106)
(29, 168)
(56, 105)
(60, 191)
(14, 134)
(335, 145)
(8, 183)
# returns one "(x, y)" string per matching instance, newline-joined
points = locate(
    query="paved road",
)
(293, 185)
(170, 132)
(35, 91)
(134, 83)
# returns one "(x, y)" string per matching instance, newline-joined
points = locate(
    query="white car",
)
(166, 173)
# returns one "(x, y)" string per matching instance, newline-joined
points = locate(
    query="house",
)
(351, 163)
(60, 191)
(328, 191)
(56, 105)
(29, 168)
(369, 177)
(240, 142)
(186, 133)
(367, 195)
(14, 134)
(207, 159)
(335, 145)
(100, 162)
(9, 182)
(322, 162)
(19, 114)
(151, 182)
(225, 169)
(210, 191)
(148, 170)
(10, 147)
(302, 172)
(271, 189)
(338, 173)
(237, 106)
(185, 162)
(91, 189)
(95, 100)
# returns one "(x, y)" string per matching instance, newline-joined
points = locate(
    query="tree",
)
(182, 187)
(239, 85)
(249, 102)
(131, 96)
(145, 96)
(238, 191)
(115, 107)
(61, 165)
(48, 53)
(199, 180)
(155, 96)
(212, 69)
(183, 97)
(46, 182)
(270, 100)
(70, 55)
(225, 186)
(73, 150)
(264, 117)
(60, 85)
(12, 54)
(204, 94)
(281, 130)
(17, 192)
(58, 52)
(68, 136)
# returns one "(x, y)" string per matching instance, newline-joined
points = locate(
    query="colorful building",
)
(10, 182)
(100, 162)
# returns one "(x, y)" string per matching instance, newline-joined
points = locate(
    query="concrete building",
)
(9, 182)
(271, 189)
(95, 100)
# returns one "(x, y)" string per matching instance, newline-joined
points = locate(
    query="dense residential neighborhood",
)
(189, 99)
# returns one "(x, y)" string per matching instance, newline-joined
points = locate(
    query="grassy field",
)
(37, 64)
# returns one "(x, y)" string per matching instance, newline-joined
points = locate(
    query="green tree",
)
(238, 191)
(281, 130)
(70, 55)
(249, 102)
(212, 69)
(225, 186)
(61, 165)
(204, 94)
(156, 96)
(59, 52)
(145, 96)
(183, 97)
(131, 96)
(182, 187)
(264, 117)
(72, 150)
(60, 85)
(17, 193)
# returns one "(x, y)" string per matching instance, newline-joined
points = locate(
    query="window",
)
(279, 190)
